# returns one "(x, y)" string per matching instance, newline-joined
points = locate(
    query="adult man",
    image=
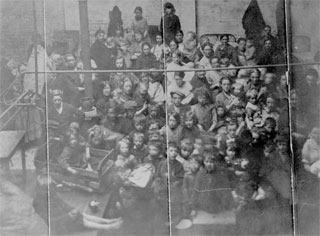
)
(61, 112)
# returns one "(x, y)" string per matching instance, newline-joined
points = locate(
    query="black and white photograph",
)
(159, 117)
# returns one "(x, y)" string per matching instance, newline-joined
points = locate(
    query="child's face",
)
(127, 87)
(283, 81)
(172, 153)
(119, 63)
(220, 111)
(139, 126)
(106, 90)
(124, 48)
(225, 85)
(130, 113)
(194, 165)
(232, 130)
(268, 79)
(146, 49)
(198, 144)
(231, 153)
(168, 11)
(153, 151)
(111, 114)
(253, 99)
(153, 112)
(269, 128)
(110, 43)
(138, 37)
(173, 46)
(215, 63)
(201, 73)
(255, 78)
(202, 99)
(249, 43)
(101, 37)
(124, 149)
(282, 147)
(138, 142)
(270, 103)
(237, 90)
(159, 39)
(185, 152)
(176, 59)
(310, 80)
(73, 142)
(172, 122)
(209, 163)
(240, 120)
(179, 37)
(179, 81)
(242, 45)
(189, 123)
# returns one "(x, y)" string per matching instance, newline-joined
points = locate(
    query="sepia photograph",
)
(160, 117)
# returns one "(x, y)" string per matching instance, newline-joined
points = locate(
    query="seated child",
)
(212, 189)
(204, 111)
(190, 129)
(124, 158)
(73, 155)
(139, 149)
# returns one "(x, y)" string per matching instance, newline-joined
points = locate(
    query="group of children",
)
(218, 139)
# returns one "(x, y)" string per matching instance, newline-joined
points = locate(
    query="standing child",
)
(160, 49)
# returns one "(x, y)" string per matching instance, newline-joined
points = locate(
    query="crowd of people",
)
(217, 137)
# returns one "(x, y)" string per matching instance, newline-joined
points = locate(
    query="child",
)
(160, 49)
(140, 126)
(212, 190)
(125, 54)
(204, 111)
(124, 158)
(170, 170)
(155, 154)
(269, 129)
(156, 91)
(221, 116)
(176, 64)
(155, 114)
(139, 149)
(174, 128)
(146, 60)
(73, 155)
(251, 107)
(229, 137)
(250, 53)
(190, 130)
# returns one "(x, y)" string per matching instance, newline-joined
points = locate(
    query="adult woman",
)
(225, 50)
(207, 55)
(190, 46)
(104, 97)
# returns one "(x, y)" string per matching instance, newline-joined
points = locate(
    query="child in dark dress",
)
(212, 189)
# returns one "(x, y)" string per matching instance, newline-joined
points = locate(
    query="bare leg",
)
(94, 225)
(99, 220)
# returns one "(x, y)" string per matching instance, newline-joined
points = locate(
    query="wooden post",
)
(85, 46)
